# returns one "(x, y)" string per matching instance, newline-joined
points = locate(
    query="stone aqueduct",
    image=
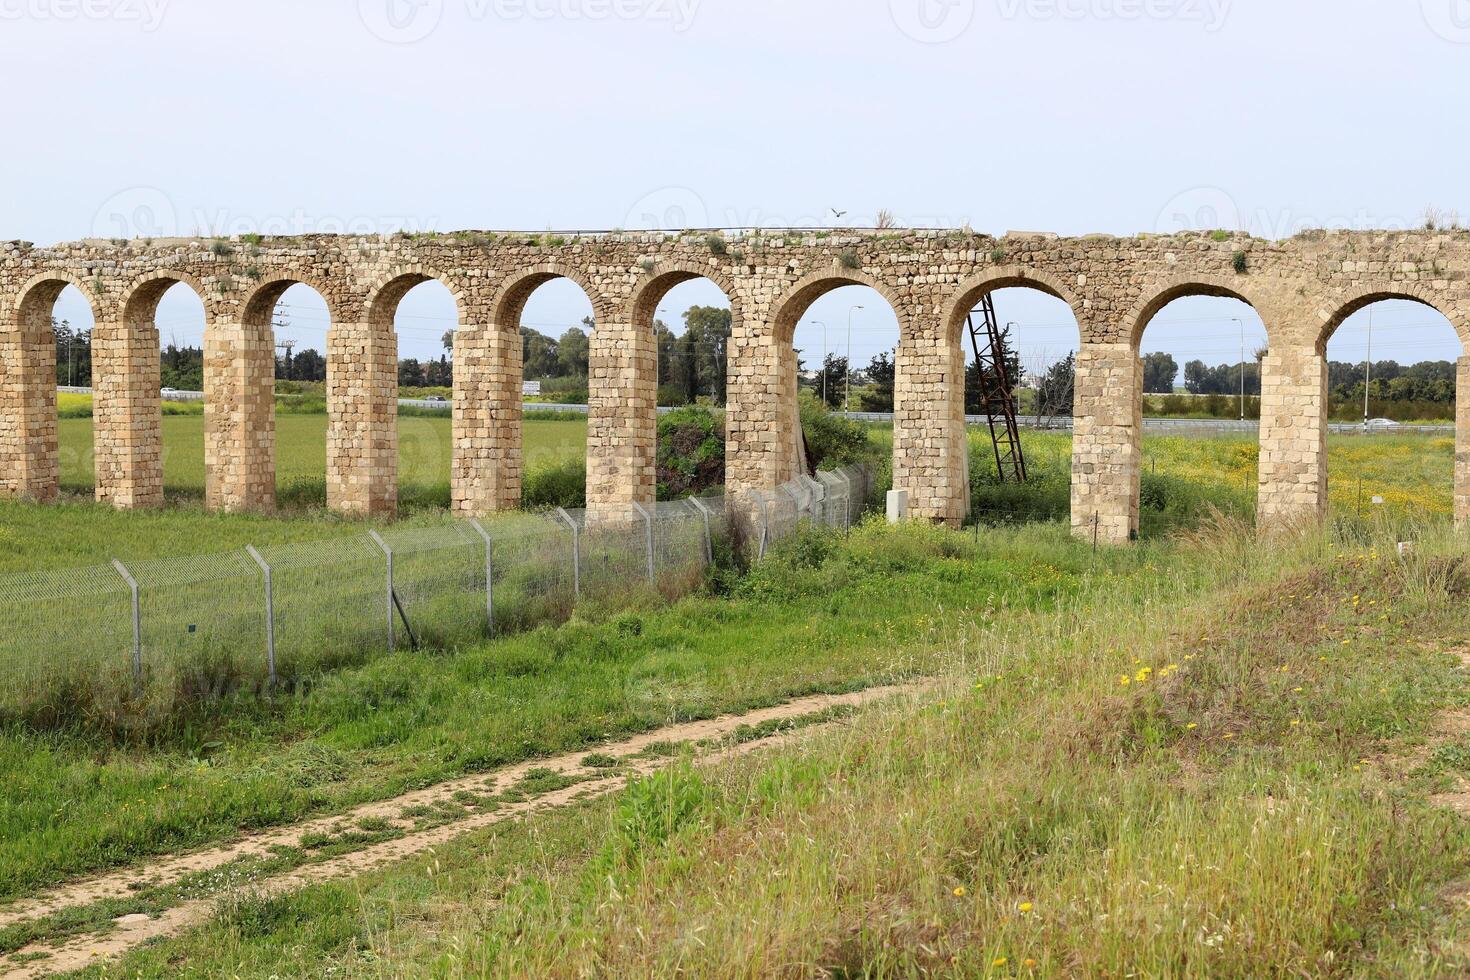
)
(1303, 288)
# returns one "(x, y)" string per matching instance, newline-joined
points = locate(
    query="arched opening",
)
(425, 317)
(1201, 350)
(837, 346)
(295, 329)
(165, 393)
(1393, 366)
(1018, 339)
(51, 345)
(537, 351)
(244, 438)
(691, 320)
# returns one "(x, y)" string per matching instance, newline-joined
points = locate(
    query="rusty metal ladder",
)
(997, 397)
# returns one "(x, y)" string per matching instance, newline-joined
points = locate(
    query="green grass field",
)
(1197, 758)
(1414, 474)
(301, 455)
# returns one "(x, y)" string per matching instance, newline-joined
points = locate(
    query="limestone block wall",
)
(487, 461)
(127, 413)
(1107, 446)
(1293, 466)
(29, 467)
(1303, 287)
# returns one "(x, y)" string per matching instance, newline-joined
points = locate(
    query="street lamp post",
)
(847, 395)
(823, 325)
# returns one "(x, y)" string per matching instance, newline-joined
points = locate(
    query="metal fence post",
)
(576, 552)
(648, 535)
(760, 498)
(270, 613)
(709, 541)
(388, 553)
(795, 503)
(137, 621)
(489, 575)
(847, 502)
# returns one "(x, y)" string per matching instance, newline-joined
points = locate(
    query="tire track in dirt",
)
(128, 932)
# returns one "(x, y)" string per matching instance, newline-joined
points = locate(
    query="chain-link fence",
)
(836, 499)
(183, 629)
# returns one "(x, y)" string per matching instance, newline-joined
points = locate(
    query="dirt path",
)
(130, 931)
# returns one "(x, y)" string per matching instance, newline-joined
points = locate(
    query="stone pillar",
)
(1293, 470)
(362, 418)
(486, 475)
(762, 420)
(239, 416)
(127, 416)
(929, 452)
(29, 464)
(1462, 442)
(1107, 442)
(622, 425)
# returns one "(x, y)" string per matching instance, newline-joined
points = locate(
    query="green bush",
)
(691, 453)
(831, 440)
(561, 484)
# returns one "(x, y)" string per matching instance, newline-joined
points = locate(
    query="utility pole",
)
(1241, 323)
(1368, 369)
(278, 324)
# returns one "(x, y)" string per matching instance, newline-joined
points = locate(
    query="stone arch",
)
(29, 451)
(40, 292)
(260, 300)
(972, 290)
(1107, 449)
(141, 297)
(127, 415)
(952, 351)
(387, 292)
(1158, 295)
(239, 395)
(510, 299)
(1333, 311)
(651, 289)
(799, 297)
(765, 439)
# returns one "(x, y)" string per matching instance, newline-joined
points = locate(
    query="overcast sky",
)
(150, 117)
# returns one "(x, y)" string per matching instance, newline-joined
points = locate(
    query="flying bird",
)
(838, 213)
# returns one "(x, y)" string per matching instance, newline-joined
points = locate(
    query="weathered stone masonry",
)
(1303, 288)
